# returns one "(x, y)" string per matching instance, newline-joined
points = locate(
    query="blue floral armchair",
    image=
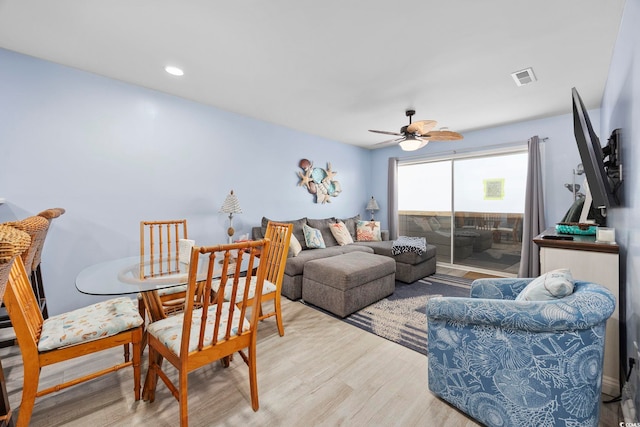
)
(520, 363)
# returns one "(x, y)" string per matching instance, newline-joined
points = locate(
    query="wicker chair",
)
(36, 271)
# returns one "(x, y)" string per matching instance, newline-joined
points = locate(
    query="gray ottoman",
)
(346, 283)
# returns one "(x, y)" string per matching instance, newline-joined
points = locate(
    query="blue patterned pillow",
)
(313, 238)
(552, 285)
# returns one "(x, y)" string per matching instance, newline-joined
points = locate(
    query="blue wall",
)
(113, 154)
(621, 109)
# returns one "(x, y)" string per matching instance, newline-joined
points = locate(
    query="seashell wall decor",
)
(318, 181)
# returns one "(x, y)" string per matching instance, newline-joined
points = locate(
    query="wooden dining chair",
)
(159, 256)
(275, 259)
(67, 336)
(36, 227)
(13, 242)
(199, 336)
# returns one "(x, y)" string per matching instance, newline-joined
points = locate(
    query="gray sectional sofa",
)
(409, 266)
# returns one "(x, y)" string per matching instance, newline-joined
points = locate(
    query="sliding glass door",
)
(469, 207)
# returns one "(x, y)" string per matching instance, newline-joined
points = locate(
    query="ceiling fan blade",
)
(443, 135)
(385, 132)
(421, 127)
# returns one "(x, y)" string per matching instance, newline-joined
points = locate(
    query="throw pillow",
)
(313, 237)
(341, 234)
(552, 285)
(368, 231)
(294, 246)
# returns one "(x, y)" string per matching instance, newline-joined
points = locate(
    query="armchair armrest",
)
(507, 289)
(589, 305)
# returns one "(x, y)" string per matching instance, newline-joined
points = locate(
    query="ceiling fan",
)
(416, 135)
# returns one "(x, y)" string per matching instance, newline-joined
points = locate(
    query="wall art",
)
(319, 181)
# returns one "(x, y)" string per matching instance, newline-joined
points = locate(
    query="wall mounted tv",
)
(601, 166)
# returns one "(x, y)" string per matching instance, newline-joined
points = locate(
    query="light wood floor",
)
(323, 372)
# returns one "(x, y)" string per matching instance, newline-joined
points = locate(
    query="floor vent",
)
(524, 77)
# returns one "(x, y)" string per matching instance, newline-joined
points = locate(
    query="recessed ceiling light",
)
(174, 71)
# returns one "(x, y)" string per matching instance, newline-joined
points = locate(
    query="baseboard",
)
(610, 386)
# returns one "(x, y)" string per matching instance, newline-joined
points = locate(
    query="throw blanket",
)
(409, 244)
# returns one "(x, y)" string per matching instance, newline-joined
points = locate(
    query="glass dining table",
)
(122, 277)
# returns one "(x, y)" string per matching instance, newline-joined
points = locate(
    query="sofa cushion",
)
(297, 228)
(341, 234)
(295, 266)
(552, 285)
(324, 225)
(352, 225)
(368, 231)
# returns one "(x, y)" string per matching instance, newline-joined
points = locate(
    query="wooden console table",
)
(599, 263)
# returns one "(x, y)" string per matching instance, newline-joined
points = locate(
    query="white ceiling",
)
(336, 68)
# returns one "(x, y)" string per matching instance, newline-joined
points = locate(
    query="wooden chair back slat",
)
(29, 326)
(279, 235)
(160, 247)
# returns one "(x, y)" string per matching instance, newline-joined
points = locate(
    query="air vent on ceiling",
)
(524, 77)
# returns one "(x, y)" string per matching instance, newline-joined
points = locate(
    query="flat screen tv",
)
(592, 156)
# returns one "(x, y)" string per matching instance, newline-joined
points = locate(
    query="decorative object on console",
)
(231, 206)
(606, 235)
(372, 206)
(319, 181)
(417, 135)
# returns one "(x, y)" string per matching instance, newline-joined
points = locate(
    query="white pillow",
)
(294, 246)
(552, 285)
(313, 237)
(341, 233)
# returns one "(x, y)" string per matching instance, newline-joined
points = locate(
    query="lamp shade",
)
(373, 205)
(231, 204)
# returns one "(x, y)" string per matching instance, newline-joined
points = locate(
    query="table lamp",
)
(372, 206)
(231, 206)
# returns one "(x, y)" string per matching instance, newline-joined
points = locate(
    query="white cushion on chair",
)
(267, 287)
(100, 320)
(169, 330)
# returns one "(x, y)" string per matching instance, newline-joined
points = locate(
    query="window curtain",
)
(533, 222)
(392, 198)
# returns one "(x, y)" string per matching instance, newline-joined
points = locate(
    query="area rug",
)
(401, 317)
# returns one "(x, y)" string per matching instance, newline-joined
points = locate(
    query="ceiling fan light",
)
(411, 144)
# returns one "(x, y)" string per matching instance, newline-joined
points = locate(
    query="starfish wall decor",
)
(318, 181)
